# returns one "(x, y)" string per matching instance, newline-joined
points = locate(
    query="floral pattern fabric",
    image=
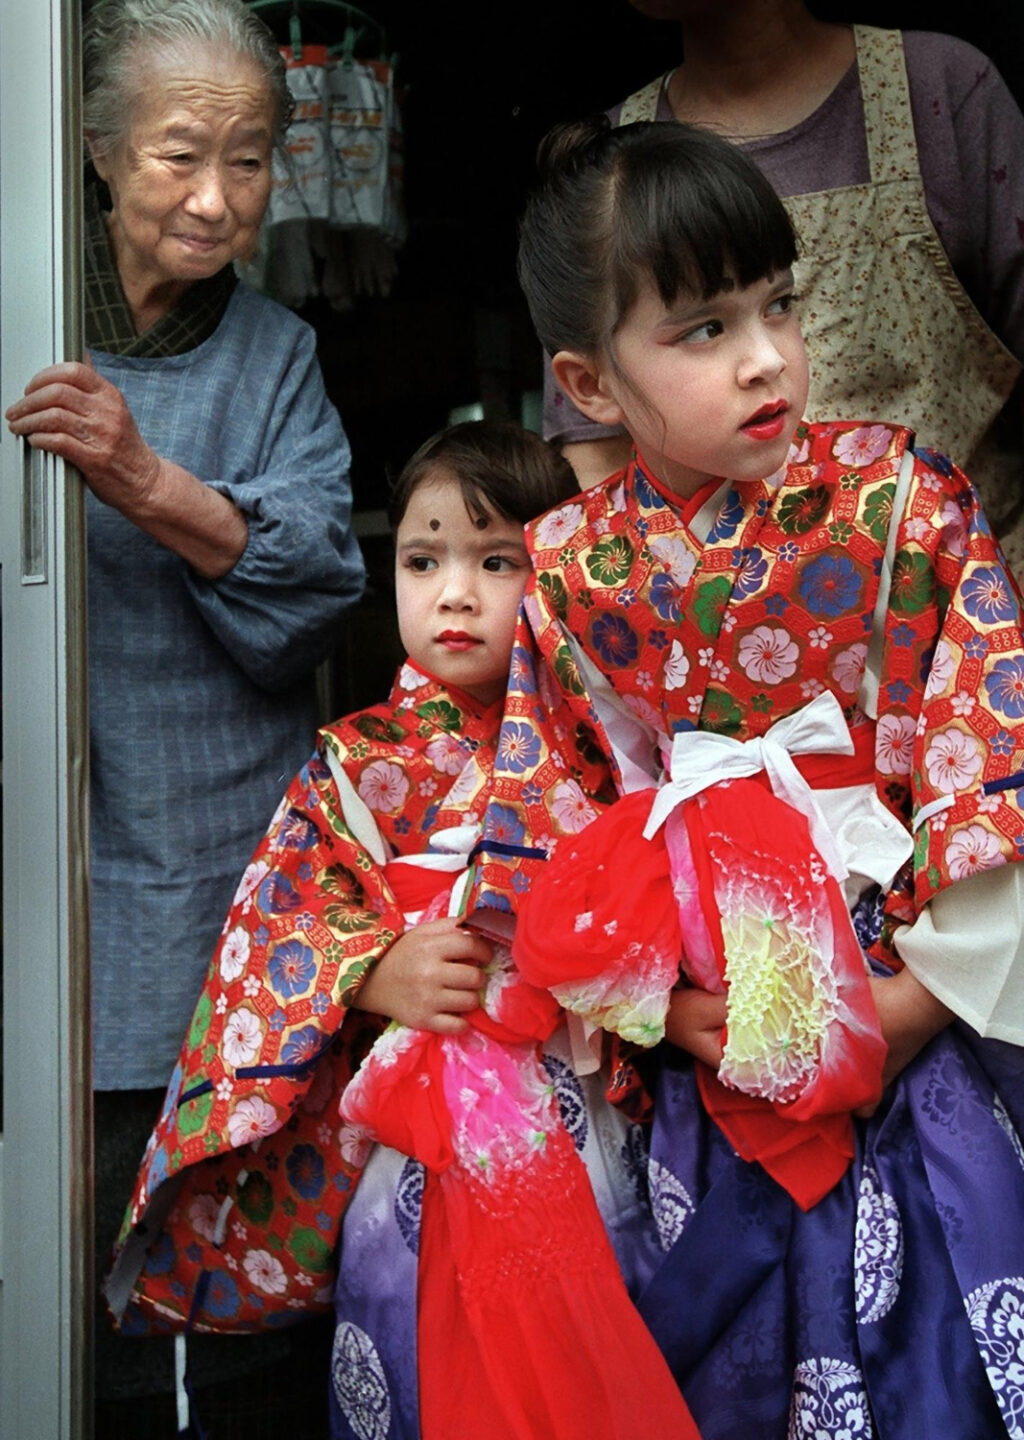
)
(844, 1319)
(234, 1220)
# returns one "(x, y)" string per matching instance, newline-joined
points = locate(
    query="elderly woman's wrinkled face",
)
(191, 181)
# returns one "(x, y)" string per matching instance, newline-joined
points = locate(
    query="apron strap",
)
(643, 104)
(885, 94)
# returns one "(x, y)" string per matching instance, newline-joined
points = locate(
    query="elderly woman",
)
(220, 555)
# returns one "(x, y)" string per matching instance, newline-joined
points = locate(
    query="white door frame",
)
(45, 1147)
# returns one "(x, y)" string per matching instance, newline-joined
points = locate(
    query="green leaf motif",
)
(554, 587)
(200, 1021)
(709, 604)
(310, 1250)
(610, 561)
(350, 921)
(376, 727)
(801, 512)
(444, 715)
(721, 713)
(878, 511)
(256, 1198)
(568, 675)
(913, 583)
(193, 1115)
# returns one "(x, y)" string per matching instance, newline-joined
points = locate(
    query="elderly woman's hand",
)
(71, 411)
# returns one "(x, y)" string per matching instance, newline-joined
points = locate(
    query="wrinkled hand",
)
(910, 1016)
(694, 1022)
(72, 411)
(429, 978)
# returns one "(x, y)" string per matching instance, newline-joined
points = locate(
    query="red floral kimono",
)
(238, 1204)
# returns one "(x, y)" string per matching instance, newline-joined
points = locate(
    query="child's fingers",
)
(456, 976)
(445, 1024)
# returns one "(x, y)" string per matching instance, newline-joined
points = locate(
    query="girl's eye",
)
(498, 563)
(420, 564)
(700, 334)
(784, 304)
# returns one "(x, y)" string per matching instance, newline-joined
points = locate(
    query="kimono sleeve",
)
(311, 916)
(964, 754)
(552, 772)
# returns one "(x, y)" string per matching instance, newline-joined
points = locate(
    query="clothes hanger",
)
(357, 23)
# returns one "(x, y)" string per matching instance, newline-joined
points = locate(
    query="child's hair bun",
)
(567, 145)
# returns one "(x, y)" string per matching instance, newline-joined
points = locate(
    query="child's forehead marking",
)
(435, 524)
(481, 522)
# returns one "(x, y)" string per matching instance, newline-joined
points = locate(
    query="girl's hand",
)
(910, 1016)
(430, 977)
(71, 411)
(694, 1022)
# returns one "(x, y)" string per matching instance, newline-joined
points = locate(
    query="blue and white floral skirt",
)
(894, 1309)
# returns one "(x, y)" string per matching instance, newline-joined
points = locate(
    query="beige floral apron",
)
(891, 333)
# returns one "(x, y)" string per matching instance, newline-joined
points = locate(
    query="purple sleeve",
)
(970, 137)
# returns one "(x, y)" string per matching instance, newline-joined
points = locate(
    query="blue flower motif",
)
(306, 1176)
(304, 921)
(296, 832)
(1002, 743)
(518, 747)
(934, 459)
(162, 1255)
(658, 639)
(614, 640)
(729, 518)
(987, 596)
(503, 825)
(976, 647)
(277, 1020)
(830, 585)
(647, 496)
(520, 882)
(642, 527)
(776, 604)
(1005, 686)
(222, 1297)
(752, 569)
(305, 871)
(277, 895)
(532, 794)
(403, 825)
(261, 934)
(521, 677)
(176, 1287)
(291, 968)
(319, 1003)
(157, 1169)
(665, 598)
(788, 551)
(626, 597)
(902, 635)
(323, 1220)
(898, 692)
(194, 1253)
(302, 1046)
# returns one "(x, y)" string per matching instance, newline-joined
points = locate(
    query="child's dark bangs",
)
(696, 229)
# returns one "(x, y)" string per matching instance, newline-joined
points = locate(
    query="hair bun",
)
(569, 144)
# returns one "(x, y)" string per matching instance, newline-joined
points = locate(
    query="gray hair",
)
(118, 32)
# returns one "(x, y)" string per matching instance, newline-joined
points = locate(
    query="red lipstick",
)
(768, 422)
(456, 640)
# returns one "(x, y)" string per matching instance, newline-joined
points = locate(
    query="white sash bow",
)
(701, 758)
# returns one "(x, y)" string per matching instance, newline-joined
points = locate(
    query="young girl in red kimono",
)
(765, 726)
(340, 919)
